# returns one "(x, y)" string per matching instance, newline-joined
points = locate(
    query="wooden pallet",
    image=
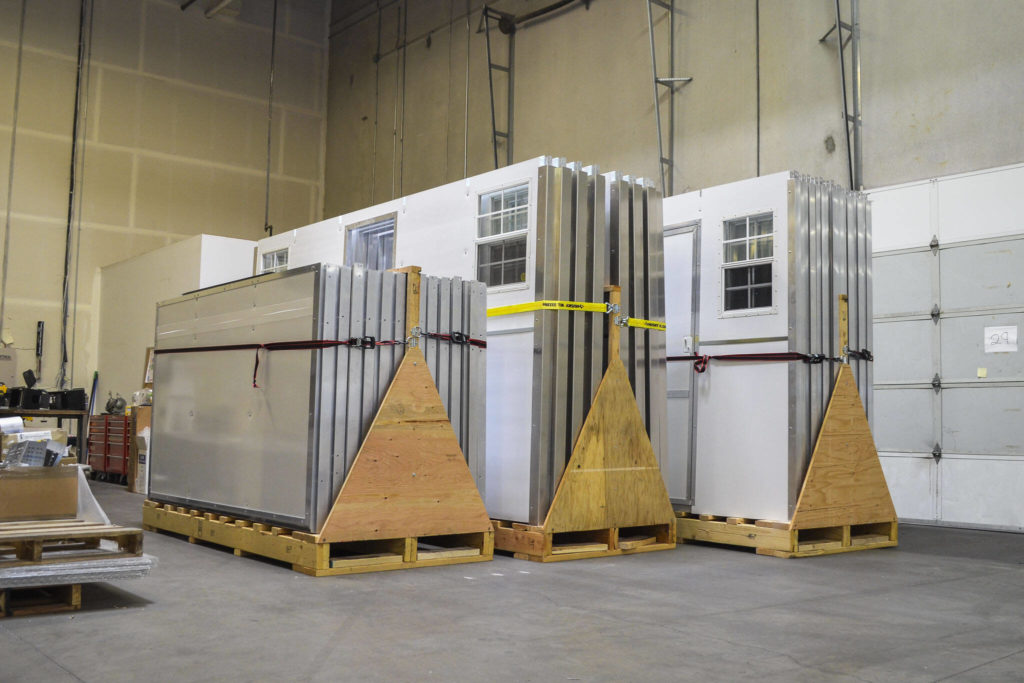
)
(63, 540)
(306, 554)
(779, 540)
(611, 499)
(539, 545)
(844, 504)
(17, 602)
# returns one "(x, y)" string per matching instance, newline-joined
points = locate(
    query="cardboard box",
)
(38, 493)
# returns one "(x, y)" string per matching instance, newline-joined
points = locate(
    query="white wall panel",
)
(984, 491)
(982, 204)
(912, 484)
(902, 217)
(974, 279)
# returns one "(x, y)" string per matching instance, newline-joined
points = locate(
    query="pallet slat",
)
(769, 539)
(48, 542)
(17, 602)
(305, 554)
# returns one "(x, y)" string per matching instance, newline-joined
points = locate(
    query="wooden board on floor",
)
(56, 541)
(17, 602)
(303, 553)
(540, 545)
(781, 542)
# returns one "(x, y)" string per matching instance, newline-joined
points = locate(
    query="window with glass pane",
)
(502, 262)
(503, 211)
(274, 261)
(502, 222)
(747, 250)
(372, 244)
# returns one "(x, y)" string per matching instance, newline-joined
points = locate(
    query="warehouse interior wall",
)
(173, 143)
(765, 95)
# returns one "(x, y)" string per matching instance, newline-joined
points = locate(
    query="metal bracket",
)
(937, 452)
(936, 383)
(412, 341)
(935, 314)
(621, 320)
(934, 244)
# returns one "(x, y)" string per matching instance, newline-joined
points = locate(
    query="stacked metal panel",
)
(450, 305)
(831, 256)
(756, 423)
(591, 231)
(637, 265)
(280, 451)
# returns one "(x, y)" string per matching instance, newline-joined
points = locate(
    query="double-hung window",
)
(747, 250)
(372, 243)
(274, 261)
(502, 221)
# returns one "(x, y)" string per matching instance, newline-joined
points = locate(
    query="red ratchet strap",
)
(311, 345)
(456, 338)
(700, 363)
(363, 343)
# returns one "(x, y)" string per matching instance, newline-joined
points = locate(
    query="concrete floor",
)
(945, 605)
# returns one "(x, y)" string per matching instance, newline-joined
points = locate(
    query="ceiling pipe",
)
(508, 24)
(185, 5)
(216, 9)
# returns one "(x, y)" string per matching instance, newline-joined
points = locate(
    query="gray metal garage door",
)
(949, 384)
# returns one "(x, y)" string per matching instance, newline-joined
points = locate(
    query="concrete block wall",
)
(937, 75)
(174, 143)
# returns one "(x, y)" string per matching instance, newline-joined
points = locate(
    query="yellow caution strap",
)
(646, 324)
(549, 305)
(576, 307)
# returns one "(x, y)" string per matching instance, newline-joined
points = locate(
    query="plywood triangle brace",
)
(410, 478)
(845, 484)
(612, 478)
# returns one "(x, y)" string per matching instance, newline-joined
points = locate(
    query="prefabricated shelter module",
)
(758, 266)
(260, 412)
(538, 230)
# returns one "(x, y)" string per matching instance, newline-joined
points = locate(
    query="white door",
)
(680, 267)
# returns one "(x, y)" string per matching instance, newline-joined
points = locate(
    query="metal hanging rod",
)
(852, 120)
(672, 84)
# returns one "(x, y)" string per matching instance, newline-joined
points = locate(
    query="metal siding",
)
(982, 491)
(905, 352)
(983, 420)
(980, 276)
(906, 424)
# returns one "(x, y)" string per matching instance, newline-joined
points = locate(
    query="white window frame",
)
(393, 217)
(277, 267)
(505, 236)
(767, 260)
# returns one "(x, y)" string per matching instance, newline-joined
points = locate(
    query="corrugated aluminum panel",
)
(280, 452)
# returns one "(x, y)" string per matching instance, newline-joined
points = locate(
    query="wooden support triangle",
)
(613, 478)
(409, 478)
(844, 483)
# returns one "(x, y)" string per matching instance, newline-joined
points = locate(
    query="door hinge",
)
(934, 244)
(935, 314)
(937, 452)
(936, 383)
